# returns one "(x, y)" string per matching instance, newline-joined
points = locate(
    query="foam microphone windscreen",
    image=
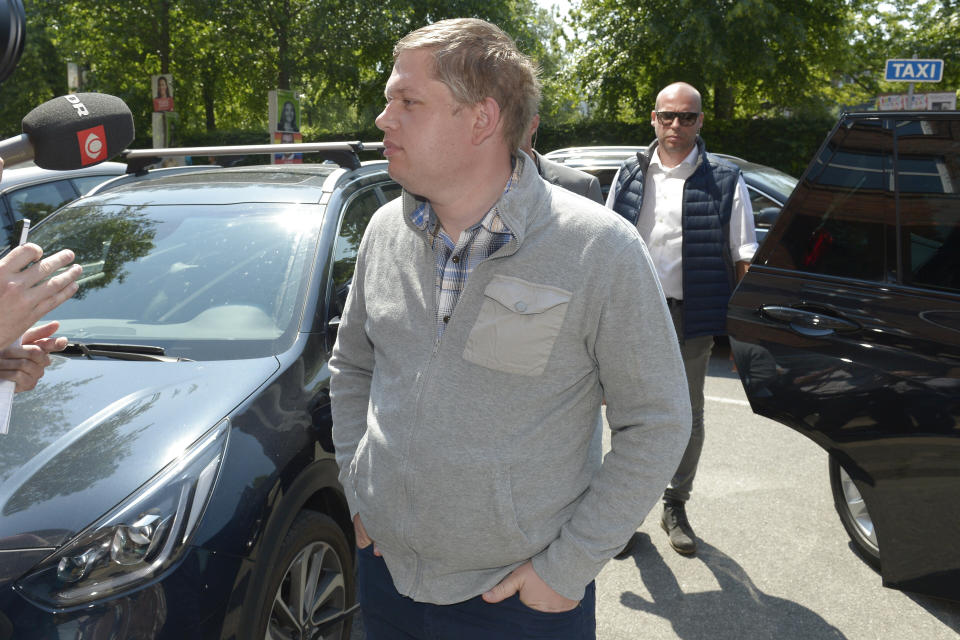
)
(78, 130)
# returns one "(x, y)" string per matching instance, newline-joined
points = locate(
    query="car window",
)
(760, 201)
(6, 224)
(391, 190)
(38, 200)
(928, 180)
(842, 218)
(357, 213)
(86, 183)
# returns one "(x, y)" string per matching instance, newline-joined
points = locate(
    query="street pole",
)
(910, 92)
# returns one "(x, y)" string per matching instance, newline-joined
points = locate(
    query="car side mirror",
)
(767, 216)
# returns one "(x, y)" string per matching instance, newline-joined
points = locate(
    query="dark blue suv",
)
(172, 475)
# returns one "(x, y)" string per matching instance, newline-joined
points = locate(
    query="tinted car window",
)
(928, 179)
(843, 221)
(37, 201)
(391, 191)
(358, 212)
(86, 183)
(759, 201)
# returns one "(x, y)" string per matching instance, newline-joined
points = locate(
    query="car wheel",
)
(310, 584)
(852, 509)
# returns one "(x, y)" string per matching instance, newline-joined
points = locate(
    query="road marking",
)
(741, 403)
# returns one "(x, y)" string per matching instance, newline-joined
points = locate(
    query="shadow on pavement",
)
(737, 610)
(721, 364)
(945, 611)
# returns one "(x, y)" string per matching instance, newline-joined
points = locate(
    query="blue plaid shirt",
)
(456, 261)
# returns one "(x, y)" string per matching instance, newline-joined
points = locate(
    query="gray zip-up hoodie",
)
(467, 456)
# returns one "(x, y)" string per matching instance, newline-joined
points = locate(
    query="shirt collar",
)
(424, 218)
(689, 161)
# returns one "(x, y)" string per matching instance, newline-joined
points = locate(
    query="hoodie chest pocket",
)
(517, 325)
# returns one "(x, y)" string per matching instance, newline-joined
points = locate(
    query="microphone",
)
(72, 131)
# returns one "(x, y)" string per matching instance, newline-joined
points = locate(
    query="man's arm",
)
(24, 364)
(742, 268)
(25, 295)
(648, 411)
(351, 370)
(743, 235)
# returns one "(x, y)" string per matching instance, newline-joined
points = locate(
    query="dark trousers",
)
(387, 615)
(696, 362)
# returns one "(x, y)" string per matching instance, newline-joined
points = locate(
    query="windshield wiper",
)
(139, 352)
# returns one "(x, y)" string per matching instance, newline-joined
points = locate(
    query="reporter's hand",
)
(25, 295)
(24, 365)
(533, 591)
(363, 540)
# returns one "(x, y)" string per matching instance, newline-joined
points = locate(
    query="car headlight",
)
(138, 540)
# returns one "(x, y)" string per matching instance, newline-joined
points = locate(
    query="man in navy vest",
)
(693, 211)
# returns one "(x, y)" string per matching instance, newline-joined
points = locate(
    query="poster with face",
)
(286, 110)
(284, 114)
(162, 92)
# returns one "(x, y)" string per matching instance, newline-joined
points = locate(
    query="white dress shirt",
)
(660, 221)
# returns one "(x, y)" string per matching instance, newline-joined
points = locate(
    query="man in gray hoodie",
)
(490, 314)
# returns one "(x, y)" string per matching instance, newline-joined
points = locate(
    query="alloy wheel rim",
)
(858, 510)
(311, 594)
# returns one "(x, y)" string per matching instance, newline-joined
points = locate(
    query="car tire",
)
(852, 509)
(314, 568)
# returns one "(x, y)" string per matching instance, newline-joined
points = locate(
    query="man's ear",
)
(486, 120)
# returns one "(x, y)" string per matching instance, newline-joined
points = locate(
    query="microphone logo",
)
(93, 145)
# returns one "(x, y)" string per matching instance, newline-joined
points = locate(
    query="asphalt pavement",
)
(773, 559)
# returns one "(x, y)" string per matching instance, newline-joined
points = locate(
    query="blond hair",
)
(477, 60)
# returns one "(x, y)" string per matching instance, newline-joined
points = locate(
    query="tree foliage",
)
(746, 56)
(226, 55)
(749, 58)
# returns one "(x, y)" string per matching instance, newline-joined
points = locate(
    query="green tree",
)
(40, 75)
(747, 57)
(901, 29)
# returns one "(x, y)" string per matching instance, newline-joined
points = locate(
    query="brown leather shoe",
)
(674, 522)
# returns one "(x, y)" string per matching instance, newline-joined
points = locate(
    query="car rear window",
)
(880, 202)
(928, 178)
(842, 215)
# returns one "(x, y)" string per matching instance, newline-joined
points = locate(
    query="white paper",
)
(6, 404)
(7, 388)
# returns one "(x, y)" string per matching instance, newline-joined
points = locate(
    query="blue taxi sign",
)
(913, 70)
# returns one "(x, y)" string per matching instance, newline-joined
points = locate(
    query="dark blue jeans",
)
(387, 615)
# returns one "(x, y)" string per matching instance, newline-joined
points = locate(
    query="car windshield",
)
(782, 182)
(206, 282)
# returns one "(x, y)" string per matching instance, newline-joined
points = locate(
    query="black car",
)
(172, 475)
(847, 329)
(769, 188)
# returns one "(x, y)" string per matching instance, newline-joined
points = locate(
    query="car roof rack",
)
(342, 153)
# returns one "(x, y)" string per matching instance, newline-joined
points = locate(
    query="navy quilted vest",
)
(708, 272)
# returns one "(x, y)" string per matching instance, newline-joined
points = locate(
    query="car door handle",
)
(814, 324)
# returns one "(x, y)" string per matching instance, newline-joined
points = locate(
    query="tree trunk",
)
(165, 36)
(209, 84)
(283, 48)
(723, 101)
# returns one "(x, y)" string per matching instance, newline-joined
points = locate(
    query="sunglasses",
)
(687, 118)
